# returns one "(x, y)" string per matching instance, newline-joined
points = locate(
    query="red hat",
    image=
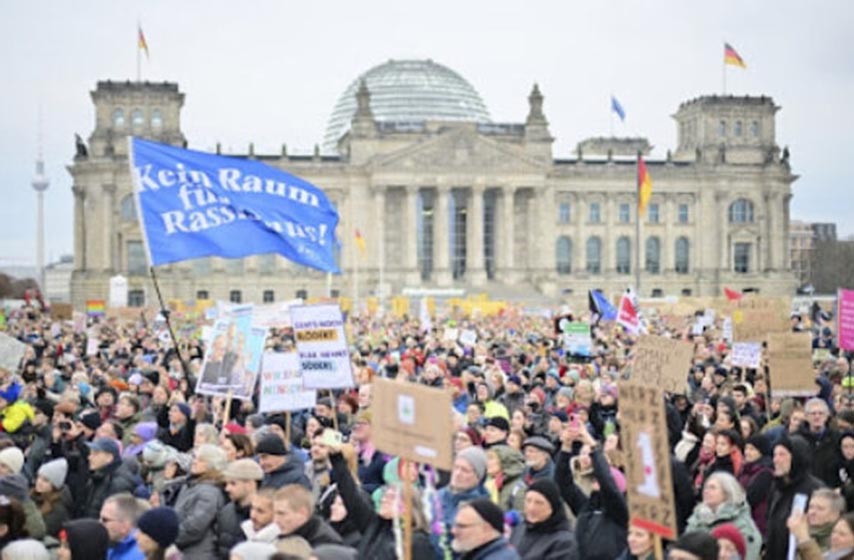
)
(235, 428)
(731, 533)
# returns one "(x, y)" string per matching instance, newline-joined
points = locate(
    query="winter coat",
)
(103, 483)
(546, 472)
(510, 493)
(756, 478)
(370, 470)
(825, 454)
(450, 502)
(602, 518)
(704, 519)
(182, 440)
(785, 488)
(499, 549)
(550, 539)
(16, 415)
(59, 514)
(683, 492)
(197, 505)
(317, 532)
(846, 476)
(291, 472)
(228, 523)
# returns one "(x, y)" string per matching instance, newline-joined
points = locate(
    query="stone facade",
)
(485, 207)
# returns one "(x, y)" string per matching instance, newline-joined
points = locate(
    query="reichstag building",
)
(448, 201)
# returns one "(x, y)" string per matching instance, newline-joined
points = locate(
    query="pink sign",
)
(845, 314)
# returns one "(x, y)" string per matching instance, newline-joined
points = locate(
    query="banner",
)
(274, 315)
(627, 315)
(649, 486)
(662, 363)
(845, 327)
(11, 352)
(413, 422)
(233, 357)
(576, 339)
(192, 204)
(790, 363)
(281, 384)
(746, 354)
(322, 345)
(61, 311)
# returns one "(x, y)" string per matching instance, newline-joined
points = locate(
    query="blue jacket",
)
(499, 549)
(450, 502)
(126, 549)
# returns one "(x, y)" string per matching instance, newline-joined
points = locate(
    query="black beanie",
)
(489, 512)
(761, 443)
(550, 491)
(699, 543)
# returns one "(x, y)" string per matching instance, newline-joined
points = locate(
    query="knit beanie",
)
(26, 549)
(13, 459)
(476, 457)
(55, 472)
(161, 524)
(548, 489)
(185, 409)
(731, 533)
(699, 543)
(761, 443)
(489, 512)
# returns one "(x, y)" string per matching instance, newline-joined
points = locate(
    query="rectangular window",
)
(686, 292)
(625, 213)
(203, 294)
(235, 296)
(137, 265)
(653, 213)
(595, 213)
(302, 294)
(269, 296)
(563, 213)
(683, 213)
(136, 298)
(741, 254)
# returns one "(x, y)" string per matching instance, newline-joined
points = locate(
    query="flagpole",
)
(638, 231)
(382, 269)
(611, 117)
(723, 74)
(138, 54)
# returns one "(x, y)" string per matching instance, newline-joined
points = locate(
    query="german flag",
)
(140, 41)
(644, 187)
(732, 58)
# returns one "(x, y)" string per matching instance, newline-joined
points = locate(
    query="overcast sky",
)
(270, 72)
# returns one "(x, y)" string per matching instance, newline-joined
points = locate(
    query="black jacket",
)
(103, 483)
(317, 532)
(291, 472)
(798, 481)
(825, 454)
(228, 522)
(182, 440)
(603, 517)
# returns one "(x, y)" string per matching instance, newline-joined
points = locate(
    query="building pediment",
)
(460, 150)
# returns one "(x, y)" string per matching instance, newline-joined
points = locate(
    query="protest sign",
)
(845, 327)
(192, 204)
(451, 335)
(468, 337)
(234, 355)
(576, 339)
(627, 316)
(727, 329)
(753, 324)
(746, 354)
(821, 355)
(322, 346)
(11, 352)
(647, 459)
(662, 363)
(61, 311)
(274, 315)
(79, 322)
(790, 362)
(281, 384)
(413, 422)
(92, 346)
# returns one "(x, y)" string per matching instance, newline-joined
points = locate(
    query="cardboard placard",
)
(790, 362)
(11, 352)
(468, 337)
(754, 324)
(322, 345)
(413, 421)
(61, 311)
(281, 384)
(746, 354)
(662, 362)
(647, 453)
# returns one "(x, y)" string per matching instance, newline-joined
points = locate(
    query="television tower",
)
(40, 185)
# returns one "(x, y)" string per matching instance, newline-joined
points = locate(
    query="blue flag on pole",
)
(600, 306)
(193, 204)
(617, 108)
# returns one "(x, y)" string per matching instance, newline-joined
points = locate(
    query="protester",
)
(242, 478)
(477, 531)
(12, 521)
(198, 504)
(724, 502)
(83, 539)
(119, 515)
(841, 539)
(158, 529)
(641, 545)
(545, 531)
(280, 468)
(109, 476)
(294, 514)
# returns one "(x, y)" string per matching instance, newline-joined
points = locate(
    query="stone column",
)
(508, 226)
(410, 249)
(79, 227)
(476, 270)
(108, 256)
(668, 244)
(441, 243)
(379, 192)
(609, 262)
(723, 233)
(579, 244)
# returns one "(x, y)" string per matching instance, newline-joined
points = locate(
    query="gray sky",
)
(271, 72)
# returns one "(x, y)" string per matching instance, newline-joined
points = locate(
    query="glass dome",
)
(408, 91)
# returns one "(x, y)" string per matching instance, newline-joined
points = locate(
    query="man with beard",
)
(242, 478)
(478, 532)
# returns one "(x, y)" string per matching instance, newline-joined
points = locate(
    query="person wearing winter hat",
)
(52, 496)
(11, 461)
(83, 539)
(466, 437)
(545, 532)
(496, 431)
(538, 458)
(730, 542)
(478, 532)
(696, 545)
(757, 476)
(199, 502)
(25, 549)
(141, 435)
(157, 530)
(177, 426)
(242, 478)
(15, 486)
(14, 412)
(280, 467)
(466, 484)
(334, 552)
(108, 475)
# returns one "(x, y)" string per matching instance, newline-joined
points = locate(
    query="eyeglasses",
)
(107, 520)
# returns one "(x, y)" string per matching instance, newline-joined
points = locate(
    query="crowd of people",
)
(106, 452)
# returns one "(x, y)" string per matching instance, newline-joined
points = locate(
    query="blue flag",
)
(192, 204)
(600, 305)
(617, 108)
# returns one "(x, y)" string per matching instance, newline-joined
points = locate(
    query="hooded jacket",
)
(292, 471)
(756, 478)
(550, 539)
(508, 490)
(705, 519)
(824, 450)
(103, 483)
(785, 488)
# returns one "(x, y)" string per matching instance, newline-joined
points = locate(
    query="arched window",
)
(564, 255)
(127, 209)
(118, 118)
(137, 118)
(653, 255)
(594, 255)
(741, 212)
(722, 128)
(624, 256)
(738, 128)
(754, 129)
(683, 255)
(156, 119)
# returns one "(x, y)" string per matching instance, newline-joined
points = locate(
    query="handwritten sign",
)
(647, 453)
(322, 346)
(281, 384)
(662, 362)
(11, 352)
(747, 354)
(845, 327)
(413, 422)
(790, 361)
(468, 337)
(577, 339)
